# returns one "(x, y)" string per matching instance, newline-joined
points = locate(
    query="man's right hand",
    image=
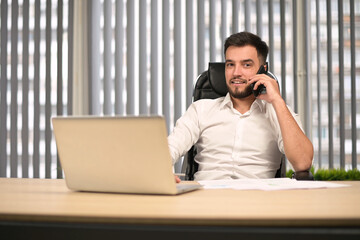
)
(177, 179)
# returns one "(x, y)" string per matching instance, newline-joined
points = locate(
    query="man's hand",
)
(272, 87)
(177, 179)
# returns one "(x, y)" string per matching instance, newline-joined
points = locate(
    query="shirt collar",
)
(226, 101)
(257, 103)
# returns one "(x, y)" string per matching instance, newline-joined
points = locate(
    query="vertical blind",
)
(144, 56)
(35, 47)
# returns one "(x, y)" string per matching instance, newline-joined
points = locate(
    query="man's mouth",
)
(238, 81)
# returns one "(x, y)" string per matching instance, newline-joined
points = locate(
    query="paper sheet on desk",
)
(268, 184)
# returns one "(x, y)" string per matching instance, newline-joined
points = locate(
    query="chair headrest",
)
(216, 75)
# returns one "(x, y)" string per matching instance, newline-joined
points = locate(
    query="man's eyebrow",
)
(247, 60)
(243, 61)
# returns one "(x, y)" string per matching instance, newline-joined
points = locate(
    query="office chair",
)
(211, 84)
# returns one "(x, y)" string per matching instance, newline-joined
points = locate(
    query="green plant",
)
(337, 174)
(289, 173)
(332, 174)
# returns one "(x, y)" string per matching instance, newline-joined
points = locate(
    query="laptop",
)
(117, 154)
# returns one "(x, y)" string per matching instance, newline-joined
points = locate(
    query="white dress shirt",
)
(230, 145)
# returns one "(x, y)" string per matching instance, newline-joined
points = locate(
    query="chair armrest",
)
(303, 175)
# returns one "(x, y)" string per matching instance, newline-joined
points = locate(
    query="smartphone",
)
(261, 88)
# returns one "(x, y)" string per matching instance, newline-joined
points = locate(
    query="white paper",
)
(268, 184)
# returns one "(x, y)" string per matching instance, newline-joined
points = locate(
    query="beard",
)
(236, 93)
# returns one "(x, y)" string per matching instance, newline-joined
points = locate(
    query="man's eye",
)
(229, 65)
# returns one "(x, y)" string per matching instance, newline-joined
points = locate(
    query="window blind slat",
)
(177, 61)
(119, 42)
(60, 30)
(295, 55)
(3, 89)
(318, 81)
(165, 62)
(224, 25)
(48, 133)
(341, 83)
(107, 58)
(70, 57)
(259, 22)
(142, 58)
(271, 35)
(330, 83)
(130, 79)
(94, 56)
(308, 82)
(247, 15)
(60, 92)
(212, 29)
(177, 67)
(283, 48)
(353, 87)
(25, 92)
(189, 52)
(36, 139)
(154, 74)
(235, 16)
(14, 90)
(200, 36)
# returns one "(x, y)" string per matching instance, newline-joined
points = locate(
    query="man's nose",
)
(237, 71)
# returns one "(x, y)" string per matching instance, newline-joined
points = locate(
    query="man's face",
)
(241, 63)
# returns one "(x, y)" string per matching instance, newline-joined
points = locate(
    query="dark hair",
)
(242, 39)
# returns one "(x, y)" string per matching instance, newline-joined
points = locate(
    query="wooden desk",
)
(45, 207)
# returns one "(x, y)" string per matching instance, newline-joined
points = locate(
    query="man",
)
(240, 135)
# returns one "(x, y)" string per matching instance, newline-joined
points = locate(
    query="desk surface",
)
(50, 200)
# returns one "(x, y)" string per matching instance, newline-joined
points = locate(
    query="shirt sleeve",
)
(271, 114)
(185, 134)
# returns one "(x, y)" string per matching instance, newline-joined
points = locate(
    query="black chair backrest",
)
(211, 84)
